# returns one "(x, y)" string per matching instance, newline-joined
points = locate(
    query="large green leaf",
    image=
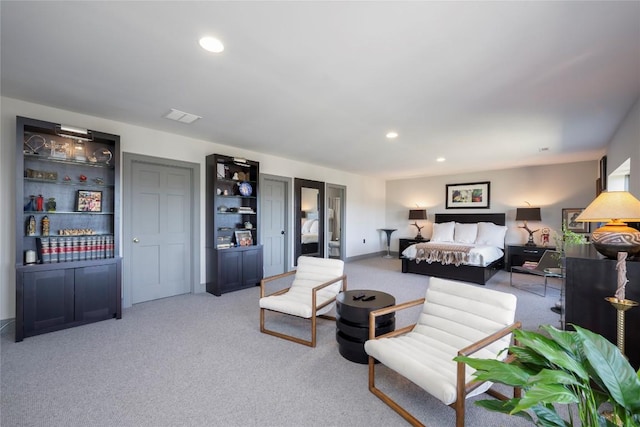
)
(529, 359)
(549, 417)
(504, 407)
(551, 351)
(566, 339)
(495, 371)
(546, 393)
(550, 376)
(612, 368)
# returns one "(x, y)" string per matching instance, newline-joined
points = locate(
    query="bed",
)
(479, 274)
(309, 237)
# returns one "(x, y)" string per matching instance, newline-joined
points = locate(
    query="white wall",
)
(365, 195)
(551, 188)
(624, 145)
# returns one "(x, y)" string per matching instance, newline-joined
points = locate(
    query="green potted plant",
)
(576, 368)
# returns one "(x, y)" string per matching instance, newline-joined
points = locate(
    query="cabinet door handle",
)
(136, 240)
(530, 252)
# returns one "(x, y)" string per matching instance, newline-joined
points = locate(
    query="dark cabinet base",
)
(233, 269)
(51, 297)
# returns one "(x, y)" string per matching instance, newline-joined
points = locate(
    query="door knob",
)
(136, 240)
(282, 232)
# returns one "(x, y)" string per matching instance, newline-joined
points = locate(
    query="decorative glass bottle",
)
(51, 204)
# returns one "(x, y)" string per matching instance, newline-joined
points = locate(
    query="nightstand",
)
(518, 254)
(405, 243)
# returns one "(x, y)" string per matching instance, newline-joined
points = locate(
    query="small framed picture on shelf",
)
(89, 201)
(243, 238)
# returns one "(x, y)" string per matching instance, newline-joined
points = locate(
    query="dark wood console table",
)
(590, 278)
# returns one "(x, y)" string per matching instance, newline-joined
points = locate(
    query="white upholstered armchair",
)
(456, 319)
(312, 294)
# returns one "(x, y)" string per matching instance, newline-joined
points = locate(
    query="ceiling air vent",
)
(181, 116)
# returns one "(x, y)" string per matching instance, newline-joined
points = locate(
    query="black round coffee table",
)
(352, 321)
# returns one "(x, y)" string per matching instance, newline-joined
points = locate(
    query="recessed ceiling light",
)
(440, 159)
(211, 44)
(541, 149)
(392, 135)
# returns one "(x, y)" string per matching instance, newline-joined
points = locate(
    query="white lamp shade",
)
(612, 205)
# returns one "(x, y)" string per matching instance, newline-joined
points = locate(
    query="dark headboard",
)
(496, 218)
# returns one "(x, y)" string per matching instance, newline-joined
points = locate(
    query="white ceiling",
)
(484, 84)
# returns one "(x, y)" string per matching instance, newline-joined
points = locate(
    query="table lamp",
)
(418, 214)
(614, 208)
(528, 214)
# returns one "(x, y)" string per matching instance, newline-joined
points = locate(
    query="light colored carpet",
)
(200, 360)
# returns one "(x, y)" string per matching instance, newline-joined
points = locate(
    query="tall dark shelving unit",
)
(72, 275)
(232, 203)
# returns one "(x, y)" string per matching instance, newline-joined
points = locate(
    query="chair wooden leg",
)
(311, 343)
(386, 399)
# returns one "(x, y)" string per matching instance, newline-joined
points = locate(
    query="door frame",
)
(343, 218)
(288, 220)
(128, 159)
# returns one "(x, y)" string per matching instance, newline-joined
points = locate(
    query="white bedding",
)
(480, 255)
(309, 238)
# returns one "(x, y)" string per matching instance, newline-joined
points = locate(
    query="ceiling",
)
(486, 85)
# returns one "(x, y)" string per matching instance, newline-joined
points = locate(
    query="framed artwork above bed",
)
(472, 195)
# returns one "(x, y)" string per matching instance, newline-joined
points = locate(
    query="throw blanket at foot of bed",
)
(444, 254)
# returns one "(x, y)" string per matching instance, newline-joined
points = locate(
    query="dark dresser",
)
(590, 278)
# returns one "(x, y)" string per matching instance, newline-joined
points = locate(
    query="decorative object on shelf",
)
(31, 225)
(79, 151)
(39, 203)
(59, 150)
(82, 178)
(235, 177)
(222, 208)
(101, 155)
(618, 301)
(76, 232)
(30, 257)
(89, 201)
(67, 178)
(245, 189)
(468, 196)
(248, 225)
(418, 214)
(225, 192)
(31, 204)
(98, 181)
(528, 214)
(614, 207)
(34, 143)
(544, 235)
(51, 204)
(44, 226)
(243, 238)
(218, 191)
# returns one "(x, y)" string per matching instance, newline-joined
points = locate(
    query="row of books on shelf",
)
(76, 248)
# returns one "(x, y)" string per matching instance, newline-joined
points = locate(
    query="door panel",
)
(160, 246)
(273, 223)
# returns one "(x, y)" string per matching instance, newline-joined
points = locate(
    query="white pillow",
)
(314, 227)
(443, 232)
(465, 233)
(306, 227)
(491, 234)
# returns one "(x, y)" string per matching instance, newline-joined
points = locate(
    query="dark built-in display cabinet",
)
(590, 278)
(233, 252)
(67, 227)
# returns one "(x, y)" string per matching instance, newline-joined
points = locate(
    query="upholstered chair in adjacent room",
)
(456, 319)
(312, 294)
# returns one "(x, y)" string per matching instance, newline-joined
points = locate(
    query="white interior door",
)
(273, 225)
(159, 245)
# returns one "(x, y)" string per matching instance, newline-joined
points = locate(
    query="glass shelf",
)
(66, 213)
(71, 184)
(49, 159)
